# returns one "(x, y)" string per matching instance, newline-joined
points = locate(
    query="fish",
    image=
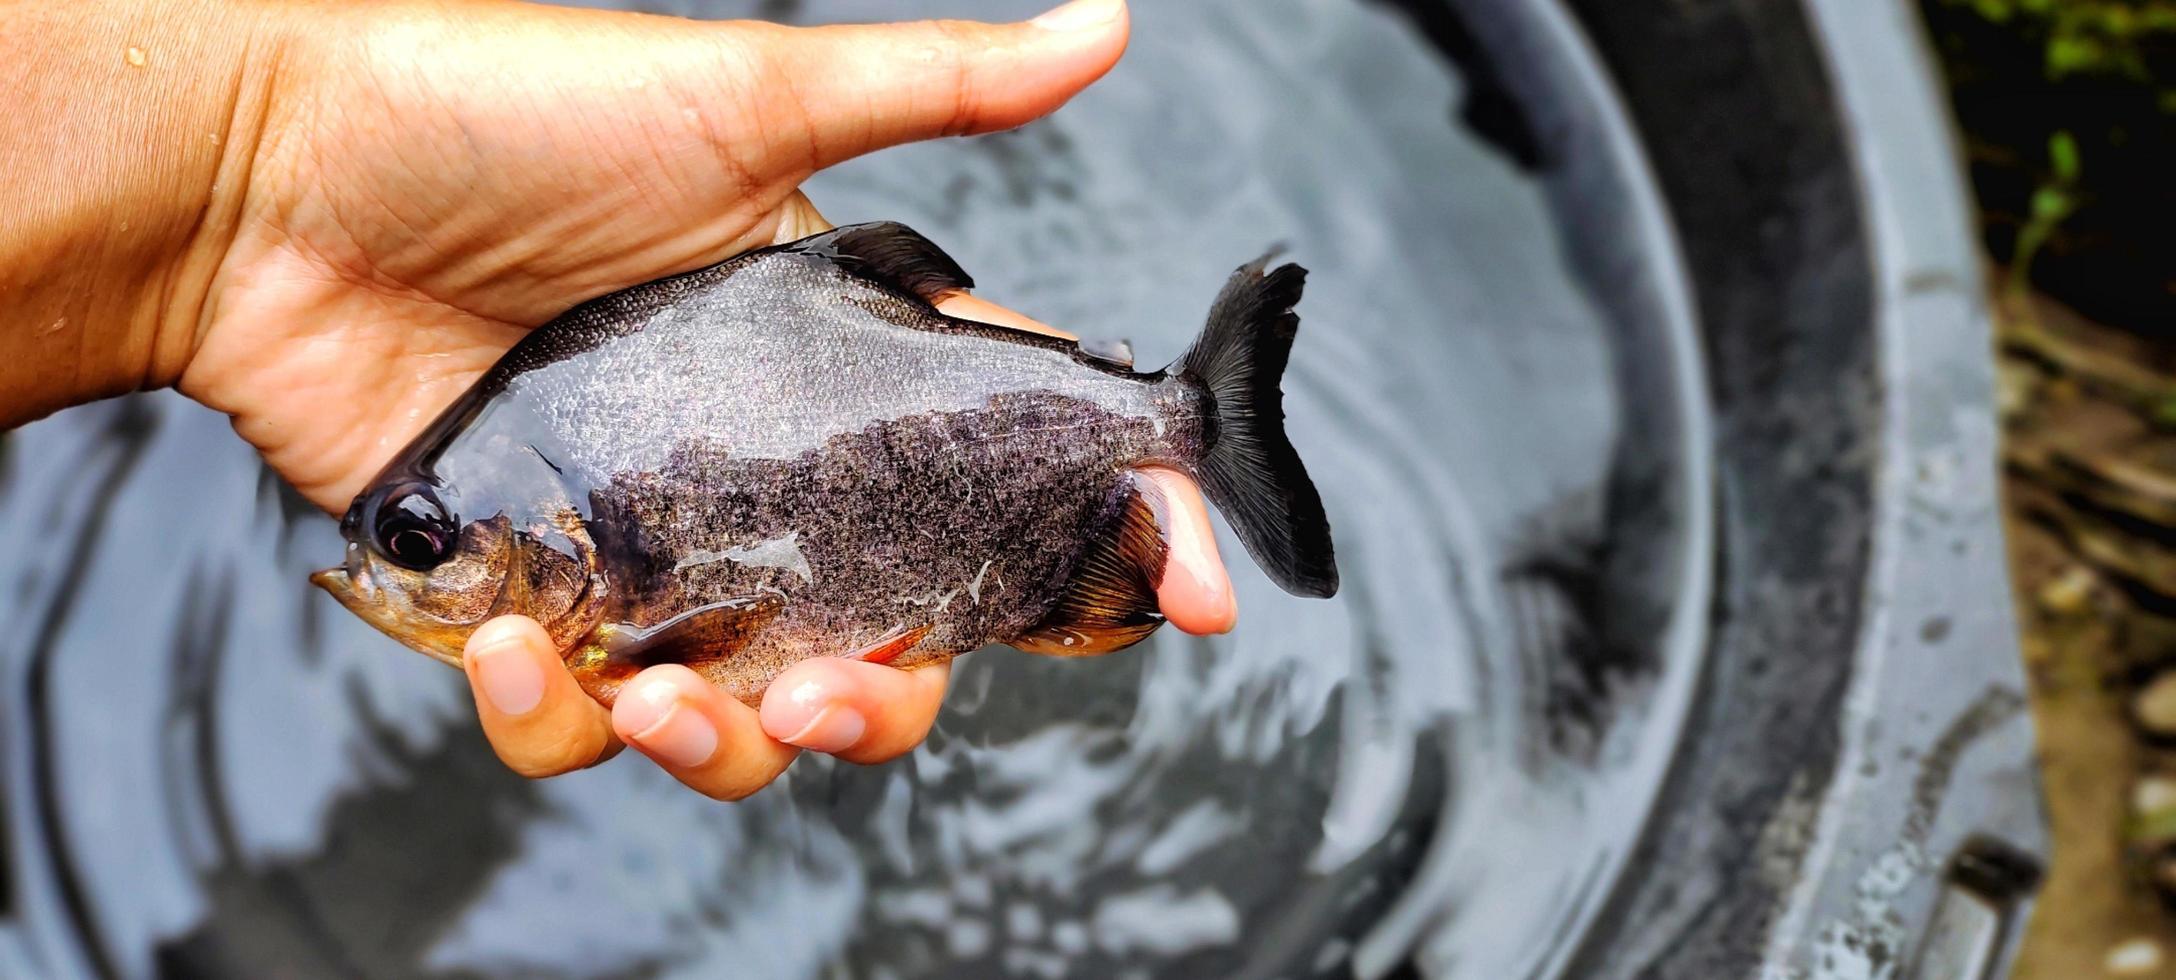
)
(793, 453)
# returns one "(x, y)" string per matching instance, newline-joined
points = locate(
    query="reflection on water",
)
(212, 770)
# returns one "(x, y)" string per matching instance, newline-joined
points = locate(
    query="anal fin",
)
(1111, 602)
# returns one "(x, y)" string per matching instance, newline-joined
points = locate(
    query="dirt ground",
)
(2090, 464)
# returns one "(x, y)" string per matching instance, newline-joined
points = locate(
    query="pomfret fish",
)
(793, 454)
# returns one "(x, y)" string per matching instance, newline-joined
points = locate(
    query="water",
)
(210, 769)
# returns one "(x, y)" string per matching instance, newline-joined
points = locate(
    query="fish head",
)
(420, 574)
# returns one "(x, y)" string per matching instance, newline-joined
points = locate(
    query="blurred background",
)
(1750, 431)
(2065, 109)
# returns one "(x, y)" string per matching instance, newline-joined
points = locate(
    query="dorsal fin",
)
(894, 253)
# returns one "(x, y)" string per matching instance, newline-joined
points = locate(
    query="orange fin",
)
(1111, 602)
(886, 651)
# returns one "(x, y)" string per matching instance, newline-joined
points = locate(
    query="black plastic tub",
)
(1646, 380)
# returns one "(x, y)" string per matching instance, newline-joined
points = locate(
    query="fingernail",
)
(509, 678)
(667, 728)
(818, 723)
(1080, 15)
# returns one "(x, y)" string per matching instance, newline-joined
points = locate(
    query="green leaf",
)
(2072, 55)
(2063, 154)
(2050, 204)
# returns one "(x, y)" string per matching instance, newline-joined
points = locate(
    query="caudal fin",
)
(1250, 470)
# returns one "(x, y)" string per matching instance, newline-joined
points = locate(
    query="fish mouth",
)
(357, 593)
(348, 582)
(341, 584)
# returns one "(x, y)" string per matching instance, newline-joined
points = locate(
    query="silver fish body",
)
(794, 454)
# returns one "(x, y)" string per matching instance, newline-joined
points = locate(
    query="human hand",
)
(434, 180)
(422, 184)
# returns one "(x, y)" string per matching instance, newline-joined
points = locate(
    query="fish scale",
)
(794, 454)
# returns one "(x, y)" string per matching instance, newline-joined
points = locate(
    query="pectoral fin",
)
(697, 637)
(1111, 602)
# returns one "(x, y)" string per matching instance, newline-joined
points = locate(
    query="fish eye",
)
(413, 529)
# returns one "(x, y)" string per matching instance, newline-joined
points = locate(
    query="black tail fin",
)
(1250, 470)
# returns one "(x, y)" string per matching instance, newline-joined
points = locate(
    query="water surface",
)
(211, 769)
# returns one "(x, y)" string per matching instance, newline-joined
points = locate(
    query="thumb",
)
(868, 86)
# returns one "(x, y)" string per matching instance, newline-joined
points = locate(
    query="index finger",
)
(540, 722)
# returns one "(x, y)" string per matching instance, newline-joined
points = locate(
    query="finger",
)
(698, 733)
(1196, 592)
(539, 721)
(969, 307)
(865, 87)
(798, 219)
(858, 711)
